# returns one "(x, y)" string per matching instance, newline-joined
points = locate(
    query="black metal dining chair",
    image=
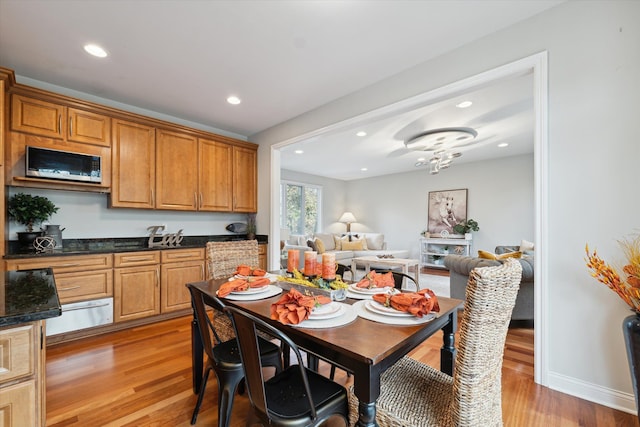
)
(297, 396)
(223, 358)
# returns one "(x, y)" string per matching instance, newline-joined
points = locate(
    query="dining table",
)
(363, 347)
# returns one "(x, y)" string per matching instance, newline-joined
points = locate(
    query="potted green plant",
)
(466, 227)
(29, 210)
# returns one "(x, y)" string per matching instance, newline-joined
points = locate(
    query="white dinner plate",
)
(272, 277)
(243, 296)
(378, 308)
(369, 291)
(326, 311)
(252, 291)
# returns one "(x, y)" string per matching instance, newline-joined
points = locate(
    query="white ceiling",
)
(282, 58)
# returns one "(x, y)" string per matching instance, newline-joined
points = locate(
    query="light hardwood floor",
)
(142, 377)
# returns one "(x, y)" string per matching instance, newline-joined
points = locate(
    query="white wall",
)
(500, 197)
(594, 63)
(85, 215)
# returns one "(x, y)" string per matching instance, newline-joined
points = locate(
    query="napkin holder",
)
(334, 294)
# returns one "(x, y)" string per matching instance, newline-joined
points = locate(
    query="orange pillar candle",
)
(328, 266)
(310, 261)
(293, 260)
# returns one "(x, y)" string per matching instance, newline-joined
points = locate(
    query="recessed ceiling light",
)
(364, 169)
(421, 159)
(502, 145)
(234, 100)
(298, 151)
(464, 104)
(361, 133)
(95, 50)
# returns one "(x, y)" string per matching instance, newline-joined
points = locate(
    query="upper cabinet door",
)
(245, 180)
(37, 117)
(134, 165)
(216, 188)
(176, 171)
(89, 128)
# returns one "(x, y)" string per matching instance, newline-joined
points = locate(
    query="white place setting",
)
(355, 292)
(373, 310)
(329, 316)
(254, 293)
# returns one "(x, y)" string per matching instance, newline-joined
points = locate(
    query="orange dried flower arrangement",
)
(629, 288)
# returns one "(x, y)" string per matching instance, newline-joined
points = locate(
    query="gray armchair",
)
(459, 267)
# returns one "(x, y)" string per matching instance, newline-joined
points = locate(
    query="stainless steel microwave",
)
(64, 165)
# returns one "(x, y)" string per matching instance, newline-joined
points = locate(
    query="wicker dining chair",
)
(414, 394)
(222, 260)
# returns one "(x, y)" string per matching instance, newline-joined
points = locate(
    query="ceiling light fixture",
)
(364, 169)
(233, 100)
(444, 143)
(361, 133)
(298, 151)
(464, 104)
(95, 50)
(503, 144)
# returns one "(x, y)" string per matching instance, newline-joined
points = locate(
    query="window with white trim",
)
(300, 207)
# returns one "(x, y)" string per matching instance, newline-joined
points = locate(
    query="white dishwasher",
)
(81, 315)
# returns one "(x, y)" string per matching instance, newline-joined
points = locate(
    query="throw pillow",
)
(354, 245)
(486, 255)
(312, 245)
(337, 243)
(526, 246)
(327, 240)
(375, 241)
(354, 238)
(319, 246)
(489, 255)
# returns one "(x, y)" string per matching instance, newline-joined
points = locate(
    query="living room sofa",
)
(370, 244)
(460, 266)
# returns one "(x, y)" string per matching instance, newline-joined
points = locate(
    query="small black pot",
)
(26, 238)
(631, 331)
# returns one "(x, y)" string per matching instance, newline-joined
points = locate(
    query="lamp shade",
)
(347, 217)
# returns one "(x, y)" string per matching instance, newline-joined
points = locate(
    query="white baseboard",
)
(594, 393)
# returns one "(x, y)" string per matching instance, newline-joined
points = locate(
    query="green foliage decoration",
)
(466, 226)
(30, 210)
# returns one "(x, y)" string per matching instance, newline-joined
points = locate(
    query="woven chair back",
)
(224, 257)
(490, 298)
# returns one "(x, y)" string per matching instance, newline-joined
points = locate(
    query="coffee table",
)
(405, 263)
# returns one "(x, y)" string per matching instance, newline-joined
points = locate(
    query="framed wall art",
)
(445, 210)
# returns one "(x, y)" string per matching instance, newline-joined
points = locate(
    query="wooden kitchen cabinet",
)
(176, 171)
(133, 165)
(58, 121)
(136, 285)
(262, 255)
(179, 267)
(215, 176)
(78, 277)
(22, 375)
(245, 180)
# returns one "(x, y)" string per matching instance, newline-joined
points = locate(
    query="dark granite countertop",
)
(29, 295)
(122, 244)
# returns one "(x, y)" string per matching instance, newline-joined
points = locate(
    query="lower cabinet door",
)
(136, 292)
(18, 405)
(175, 276)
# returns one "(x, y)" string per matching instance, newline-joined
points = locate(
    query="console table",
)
(433, 251)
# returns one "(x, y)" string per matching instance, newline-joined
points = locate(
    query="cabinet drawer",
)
(19, 405)
(132, 259)
(177, 255)
(63, 264)
(16, 352)
(84, 285)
